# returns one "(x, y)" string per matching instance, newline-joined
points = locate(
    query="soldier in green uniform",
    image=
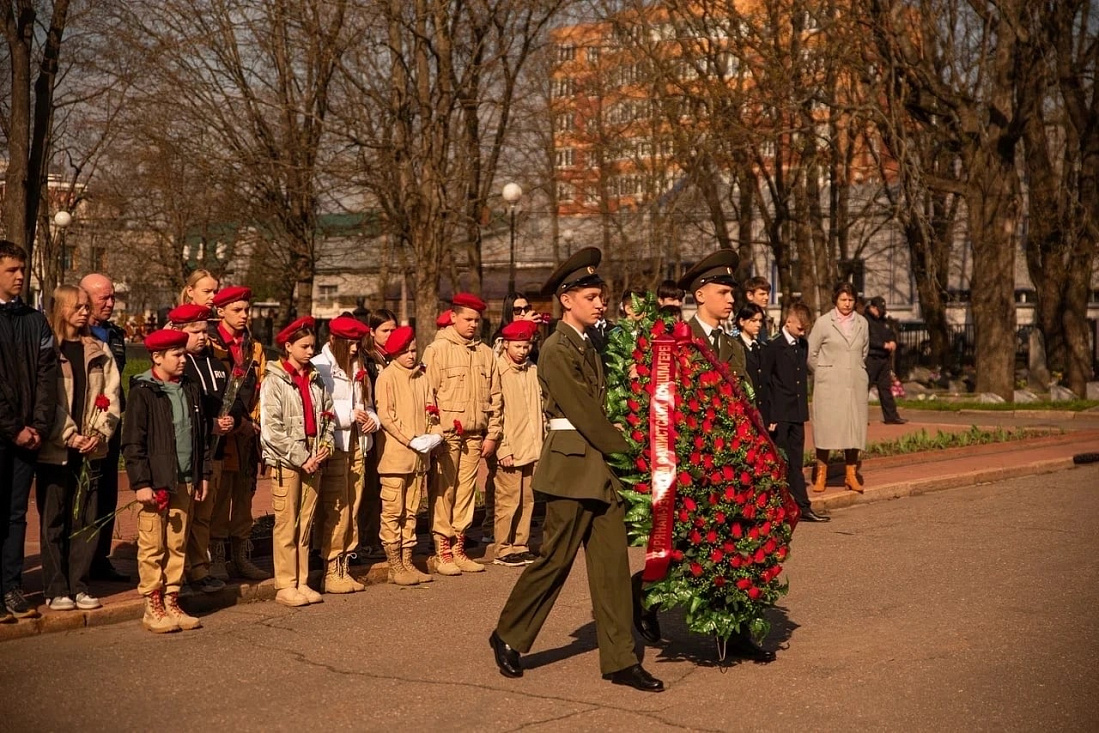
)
(583, 506)
(711, 281)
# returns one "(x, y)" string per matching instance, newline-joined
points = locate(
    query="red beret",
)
(399, 340)
(519, 331)
(225, 296)
(164, 339)
(188, 313)
(468, 300)
(285, 334)
(445, 319)
(348, 328)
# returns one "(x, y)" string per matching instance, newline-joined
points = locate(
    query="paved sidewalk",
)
(884, 478)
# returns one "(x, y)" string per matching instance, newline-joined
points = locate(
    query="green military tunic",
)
(726, 350)
(584, 507)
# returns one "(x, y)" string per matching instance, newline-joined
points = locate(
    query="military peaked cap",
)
(719, 268)
(577, 271)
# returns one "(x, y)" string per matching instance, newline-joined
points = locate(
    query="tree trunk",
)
(19, 32)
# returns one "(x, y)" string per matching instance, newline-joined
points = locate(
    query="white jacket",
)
(347, 395)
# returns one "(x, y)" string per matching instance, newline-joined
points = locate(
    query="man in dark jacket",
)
(785, 401)
(879, 360)
(101, 297)
(28, 401)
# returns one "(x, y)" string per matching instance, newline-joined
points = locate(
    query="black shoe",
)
(895, 421)
(19, 606)
(514, 560)
(107, 573)
(644, 620)
(808, 515)
(528, 557)
(209, 584)
(745, 647)
(637, 678)
(470, 542)
(507, 659)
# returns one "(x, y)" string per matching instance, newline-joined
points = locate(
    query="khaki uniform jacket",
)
(103, 378)
(282, 419)
(524, 427)
(726, 351)
(572, 464)
(466, 380)
(402, 397)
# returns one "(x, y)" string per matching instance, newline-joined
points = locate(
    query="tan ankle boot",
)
(183, 619)
(398, 574)
(406, 561)
(156, 618)
(444, 558)
(356, 586)
(820, 480)
(242, 561)
(335, 580)
(851, 479)
(464, 563)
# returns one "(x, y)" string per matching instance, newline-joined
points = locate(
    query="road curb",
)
(901, 489)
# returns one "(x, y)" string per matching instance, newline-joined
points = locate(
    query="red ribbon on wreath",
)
(658, 554)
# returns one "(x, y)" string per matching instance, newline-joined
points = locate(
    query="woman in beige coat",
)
(838, 345)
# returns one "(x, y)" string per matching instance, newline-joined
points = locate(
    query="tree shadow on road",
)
(681, 645)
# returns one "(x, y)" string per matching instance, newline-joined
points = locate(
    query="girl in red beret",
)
(296, 434)
(345, 380)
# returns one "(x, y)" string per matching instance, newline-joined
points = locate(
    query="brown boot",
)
(398, 574)
(217, 560)
(356, 586)
(335, 579)
(156, 618)
(464, 563)
(406, 561)
(444, 558)
(242, 561)
(821, 479)
(183, 619)
(851, 479)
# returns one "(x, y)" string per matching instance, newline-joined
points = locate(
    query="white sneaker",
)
(86, 603)
(61, 603)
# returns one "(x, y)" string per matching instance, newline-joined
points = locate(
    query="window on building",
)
(68, 258)
(566, 53)
(328, 294)
(593, 54)
(565, 158)
(98, 260)
(564, 86)
(564, 191)
(563, 122)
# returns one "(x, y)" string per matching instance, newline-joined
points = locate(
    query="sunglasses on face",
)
(518, 310)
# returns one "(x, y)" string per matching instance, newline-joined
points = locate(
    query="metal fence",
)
(914, 348)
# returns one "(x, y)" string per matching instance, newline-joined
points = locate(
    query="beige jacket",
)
(467, 383)
(402, 396)
(523, 421)
(103, 378)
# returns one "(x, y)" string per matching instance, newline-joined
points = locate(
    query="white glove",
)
(425, 443)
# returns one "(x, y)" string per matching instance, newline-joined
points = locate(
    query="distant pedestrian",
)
(520, 446)
(89, 394)
(411, 432)
(879, 359)
(838, 345)
(168, 464)
(28, 411)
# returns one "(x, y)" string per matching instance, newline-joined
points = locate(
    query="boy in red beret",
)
(410, 432)
(520, 445)
(238, 453)
(466, 379)
(168, 464)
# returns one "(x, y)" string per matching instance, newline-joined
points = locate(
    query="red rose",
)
(700, 521)
(238, 373)
(684, 479)
(637, 435)
(641, 464)
(713, 499)
(635, 387)
(711, 536)
(696, 458)
(329, 416)
(642, 370)
(736, 562)
(749, 511)
(775, 571)
(642, 342)
(633, 420)
(769, 546)
(766, 528)
(692, 423)
(162, 499)
(696, 569)
(433, 410)
(729, 547)
(759, 557)
(727, 472)
(695, 537)
(689, 503)
(761, 500)
(753, 533)
(458, 428)
(729, 493)
(677, 555)
(637, 355)
(743, 583)
(745, 478)
(102, 403)
(684, 516)
(700, 442)
(753, 593)
(742, 431)
(750, 456)
(681, 331)
(738, 532)
(719, 581)
(719, 443)
(693, 405)
(707, 461)
(659, 329)
(360, 376)
(707, 426)
(781, 554)
(633, 405)
(642, 488)
(717, 556)
(720, 516)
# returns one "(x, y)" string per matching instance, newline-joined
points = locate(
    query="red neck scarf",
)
(301, 381)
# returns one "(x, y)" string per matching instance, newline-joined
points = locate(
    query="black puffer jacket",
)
(28, 371)
(149, 436)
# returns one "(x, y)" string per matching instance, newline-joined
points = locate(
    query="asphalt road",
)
(970, 609)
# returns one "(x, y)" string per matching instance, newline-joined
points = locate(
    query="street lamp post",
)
(512, 193)
(567, 235)
(62, 219)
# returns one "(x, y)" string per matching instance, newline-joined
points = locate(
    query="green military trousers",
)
(601, 529)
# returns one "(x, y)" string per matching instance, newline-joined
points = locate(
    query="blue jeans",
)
(16, 476)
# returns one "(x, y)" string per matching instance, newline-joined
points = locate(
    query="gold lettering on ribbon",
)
(662, 448)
